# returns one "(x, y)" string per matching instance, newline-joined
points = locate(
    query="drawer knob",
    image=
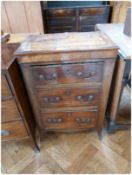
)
(54, 75)
(46, 99)
(5, 132)
(57, 98)
(49, 120)
(86, 120)
(79, 74)
(79, 97)
(78, 120)
(93, 73)
(59, 120)
(41, 77)
(90, 97)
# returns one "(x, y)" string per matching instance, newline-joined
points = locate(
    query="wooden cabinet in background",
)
(74, 16)
(68, 79)
(17, 120)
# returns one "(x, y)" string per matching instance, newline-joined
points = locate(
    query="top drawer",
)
(93, 11)
(68, 73)
(60, 12)
(5, 89)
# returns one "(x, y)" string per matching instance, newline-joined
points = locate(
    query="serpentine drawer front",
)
(68, 77)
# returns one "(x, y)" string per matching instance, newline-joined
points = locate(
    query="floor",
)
(73, 153)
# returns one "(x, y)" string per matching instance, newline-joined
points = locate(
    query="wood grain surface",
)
(66, 42)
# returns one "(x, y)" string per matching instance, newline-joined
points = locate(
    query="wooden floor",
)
(72, 153)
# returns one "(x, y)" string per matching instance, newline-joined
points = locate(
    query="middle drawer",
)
(68, 96)
(67, 73)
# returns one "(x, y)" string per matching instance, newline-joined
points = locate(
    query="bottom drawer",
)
(13, 131)
(70, 120)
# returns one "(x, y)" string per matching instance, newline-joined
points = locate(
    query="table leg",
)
(115, 95)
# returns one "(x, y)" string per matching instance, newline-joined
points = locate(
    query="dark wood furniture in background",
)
(68, 77)
(121, 74)
(17, 118)
(70, 16)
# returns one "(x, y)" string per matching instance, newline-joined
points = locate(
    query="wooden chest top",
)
(65, 42)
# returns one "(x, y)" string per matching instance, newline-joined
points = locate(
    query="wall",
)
(119, 10)
(21, 17)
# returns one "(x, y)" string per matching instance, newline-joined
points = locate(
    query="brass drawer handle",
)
(78, 120)
(90, 75)
(5, 132)
(84, 120)
(54, 76)
(41, 77)
(90, 97)
(85, 98)
(52, 99)
(79, 97)
(55, 120)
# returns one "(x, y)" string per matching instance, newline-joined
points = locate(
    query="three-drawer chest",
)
(68, 77)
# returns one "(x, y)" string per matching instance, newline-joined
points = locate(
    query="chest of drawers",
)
(68, 77)
(17, 120)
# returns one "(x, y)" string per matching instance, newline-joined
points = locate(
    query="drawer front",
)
(87, 28)
(60, 21)
(13, 131)
(60, 97)
(5, 89)
(84, 20)
(68, 120)
(9, 111)
(70, 73)
(60, 12)
(93, 11)
(60, 29)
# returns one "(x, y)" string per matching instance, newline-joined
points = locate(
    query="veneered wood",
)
(53, 94)
(66, 42)
(63, 73)
(9, 111)
(68, 97)
(16, 131)
(67, 57)
(69, 120)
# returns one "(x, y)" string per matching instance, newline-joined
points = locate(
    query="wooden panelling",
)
(4, 19)
(17, 17)
(33, 13)
(21, 17)
(119, 10)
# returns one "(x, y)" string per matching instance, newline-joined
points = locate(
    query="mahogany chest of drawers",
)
(17, 122)
(68, 77)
